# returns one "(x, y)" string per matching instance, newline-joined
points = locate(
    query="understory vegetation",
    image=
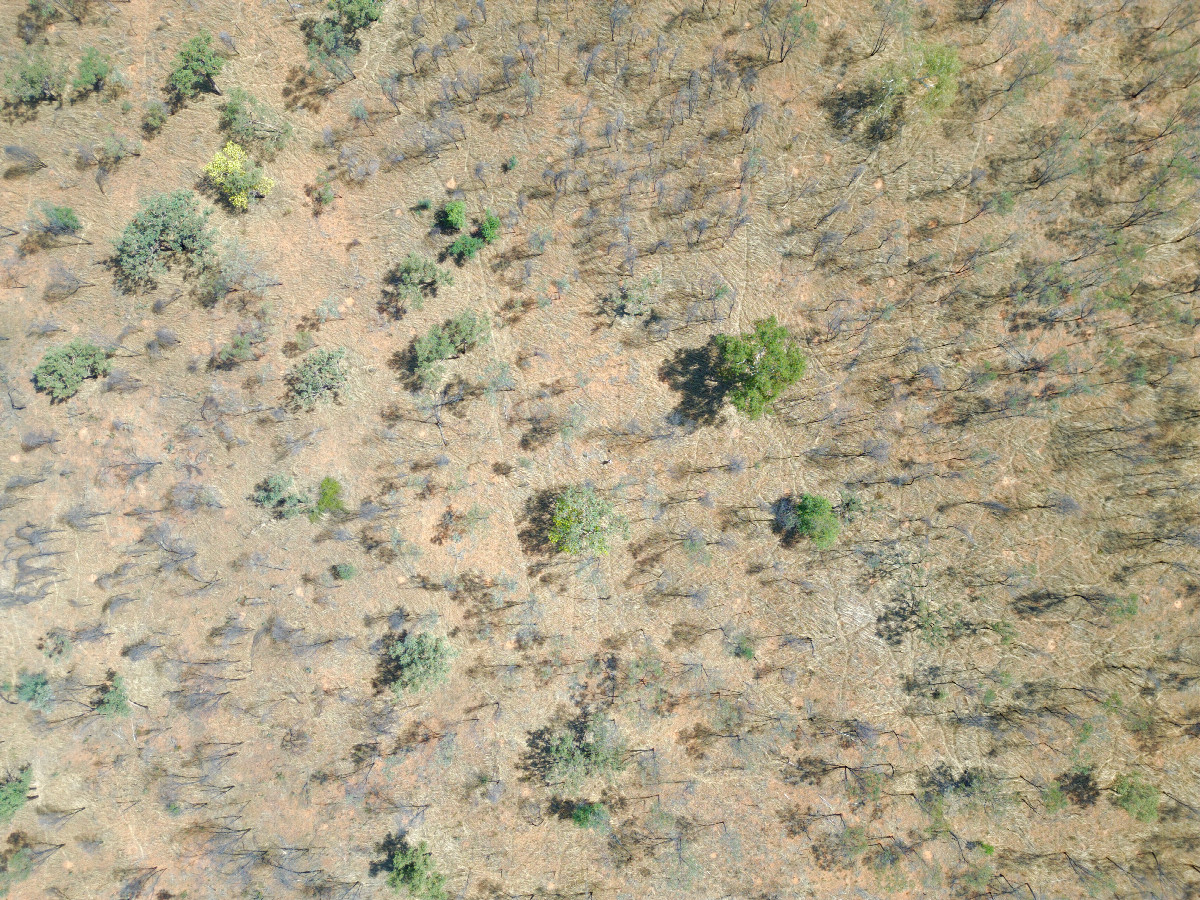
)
(586, 450)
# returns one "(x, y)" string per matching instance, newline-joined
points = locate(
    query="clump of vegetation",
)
(1137, 797)
(274, 494)
(155, 117)
(343, 571)
(196, 67)
(112, 700)
(59, 221)
(490, 227)
(16, 862)
(239, 350)
(408, 284)
(252, 123)
(14, 791)
(95, 68)
(318, 377)
(63, 370)
(584, 522)
(412, 870)
(810, 517)
(590, 815)
(452, 216)
(35, 79)
(236, 177)
(329, 499)
(447, 341)
(168, 230)
(569, 754)
(465, 247)
(416, 661)
(33, 688)
(756, 367)
(333, 41)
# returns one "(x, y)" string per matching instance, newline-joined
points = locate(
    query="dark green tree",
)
(416, 661)
(318, 377)
(412, 869)
(757, 366)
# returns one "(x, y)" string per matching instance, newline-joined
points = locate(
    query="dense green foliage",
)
(464, 247)
(590, 815)
(453, 216)
(584, 522)
(59, 221)
(490, 227)
(34, 689)
(95, 68)
(14, 789)
(15, 865)
(196, 66)
(62, 370)
(756, 367)
(412, 870)
(168, 230)
(417, 661)
(318, 377)
(1137, 797)
(810, 517)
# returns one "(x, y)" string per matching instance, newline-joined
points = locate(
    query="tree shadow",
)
(691, 372)
(539, 516)
(387, 850)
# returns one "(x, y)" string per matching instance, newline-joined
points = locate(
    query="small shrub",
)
(416, 662)
(355, 14)
(94, 70)
(809, 517)
(34, 689)
(758, 366)
(511, 163)
(318, 378)
(15, 865)
(584, 522)
(1137, 797)
(447, 341)
(236, 177)
(274, 494)
(743, 647)
(409, 283)
(112, 700)
(343, 571)
(490, 227)
(453, 216)
(329, 499)
(155, 117)
(59, 221)
(576, 751)
(168, 230)
(63, 369)
(252, 123)
(14, 791)
(412, 870)
(196, 66)
(590, 815)
(34, 80)
(465, 247)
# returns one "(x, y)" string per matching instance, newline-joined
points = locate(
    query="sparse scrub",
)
(408, 284)
(275, 494)
(447, 341)
(95, 68)
(33, 80)
(251, 123)
(318, 378)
